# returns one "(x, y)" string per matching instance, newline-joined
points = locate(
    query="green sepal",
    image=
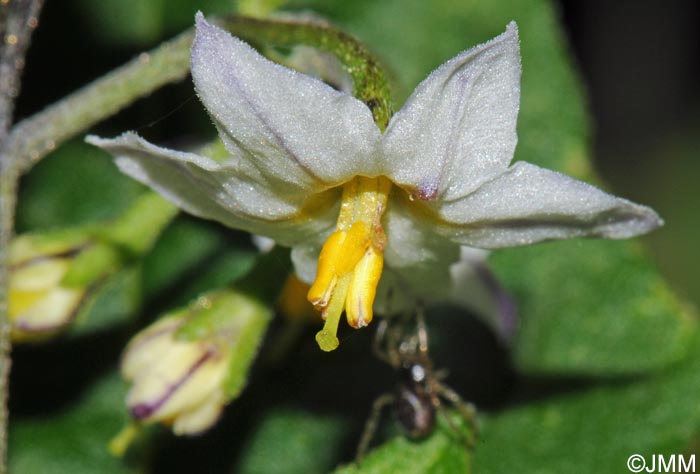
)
(29, 246)
(235, 319)
(251, 334)
(93, 263)
(221, 313)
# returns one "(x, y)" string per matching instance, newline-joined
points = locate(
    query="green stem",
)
(33, 138)
(8, 197)
(17, 22)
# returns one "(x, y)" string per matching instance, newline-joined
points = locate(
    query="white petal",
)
(457, 130)
(197, 386)
(262, 243)
(417, 256)
(150, 345)
(292, 128)
(219, 191)
(305, 257)
(528, 204)
(201, 417)
(52, 312)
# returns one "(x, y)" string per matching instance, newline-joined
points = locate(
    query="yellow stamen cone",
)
(320, 291)
(363, 289)
(351, 255)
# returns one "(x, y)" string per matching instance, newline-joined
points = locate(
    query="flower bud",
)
(40, 303)
(185, 367)
(53, 273)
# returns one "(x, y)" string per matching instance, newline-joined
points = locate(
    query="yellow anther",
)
(363, 288)
(353, 248)
(320, 291)
(339, 255)
(350, 263)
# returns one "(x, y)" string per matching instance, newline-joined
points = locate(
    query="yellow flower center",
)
(351, 259)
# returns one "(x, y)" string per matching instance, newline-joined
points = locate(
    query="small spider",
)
(420, 392)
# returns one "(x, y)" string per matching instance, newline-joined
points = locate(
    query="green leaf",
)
(289, 441)
(140, 22)
(598, 429)
(183, 245)
(113, 302)
(73, 441)
(443, 452)
(593, 307)
(76, 184)
(230, 265)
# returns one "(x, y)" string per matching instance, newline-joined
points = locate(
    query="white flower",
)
(308, 164)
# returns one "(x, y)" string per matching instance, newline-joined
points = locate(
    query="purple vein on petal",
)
(146, 409)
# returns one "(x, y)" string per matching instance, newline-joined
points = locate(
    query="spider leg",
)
(372, 424)
(466, 410)
(441, 374)
(378, 346)
(384, 343)
(421, 330)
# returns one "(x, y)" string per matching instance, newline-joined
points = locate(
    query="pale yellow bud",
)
(39, 305)
(176, 382)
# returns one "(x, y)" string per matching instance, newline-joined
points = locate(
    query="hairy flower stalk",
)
(362, 202)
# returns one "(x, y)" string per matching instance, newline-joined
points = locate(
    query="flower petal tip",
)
(645, 221)
(203, 27)
(629, 220)
(512, 35)
(126, 138)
